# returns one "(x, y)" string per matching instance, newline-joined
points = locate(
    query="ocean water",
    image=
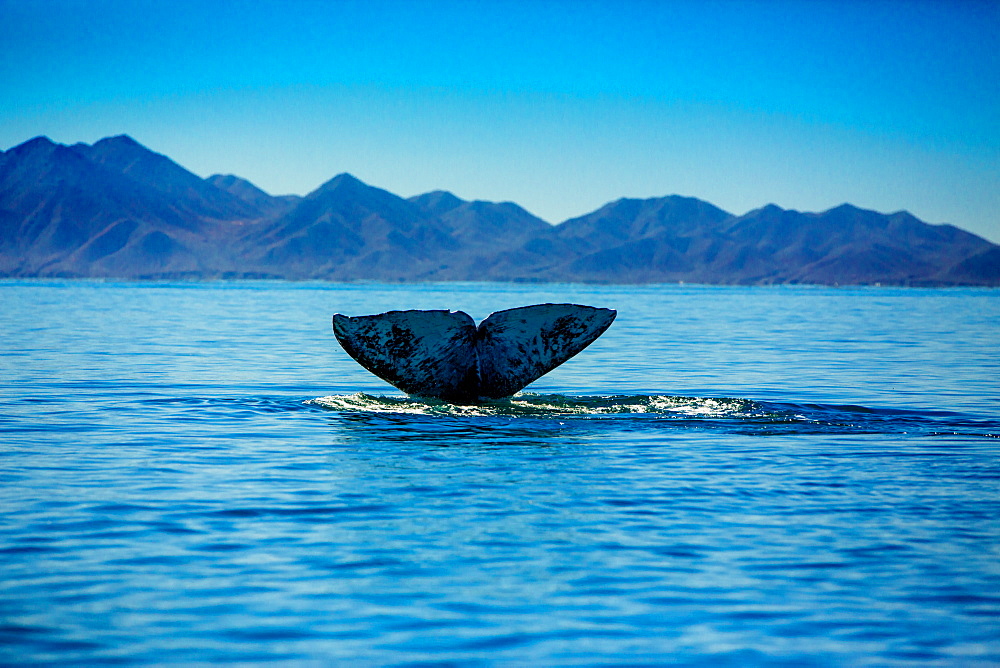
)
(196, 473)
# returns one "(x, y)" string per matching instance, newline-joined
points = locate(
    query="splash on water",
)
(735, 414)
(542, 405)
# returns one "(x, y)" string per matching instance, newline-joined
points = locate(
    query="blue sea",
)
(197, 474)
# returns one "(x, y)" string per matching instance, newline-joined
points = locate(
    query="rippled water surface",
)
(198, 474)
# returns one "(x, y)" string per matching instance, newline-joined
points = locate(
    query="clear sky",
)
(558, 106)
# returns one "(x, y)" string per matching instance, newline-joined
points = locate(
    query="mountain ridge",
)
(117, 209)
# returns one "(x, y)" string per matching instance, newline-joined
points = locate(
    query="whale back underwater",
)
(197, 473)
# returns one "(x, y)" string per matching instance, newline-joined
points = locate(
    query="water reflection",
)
(437, 431)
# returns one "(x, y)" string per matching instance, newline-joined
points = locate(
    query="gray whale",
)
(443, 354)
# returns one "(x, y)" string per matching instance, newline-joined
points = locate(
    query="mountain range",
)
(118, 209)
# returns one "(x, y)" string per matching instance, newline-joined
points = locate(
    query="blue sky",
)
(559, 106)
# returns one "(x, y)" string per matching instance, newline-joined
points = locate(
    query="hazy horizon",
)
(558, 106)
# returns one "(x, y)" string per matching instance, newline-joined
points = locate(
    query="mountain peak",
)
(346, 178)
(121, 147)
(38, 143)
(123, 152)
(845, 208)
(124, 155)
(437, 202)
(249, 193)
(342, 182)
(119, 140)
(234, 183)
(42, 149)
(345, 190)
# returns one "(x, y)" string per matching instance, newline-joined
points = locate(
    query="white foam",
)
(542, 405)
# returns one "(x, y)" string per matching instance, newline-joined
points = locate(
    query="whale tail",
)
(443, 354)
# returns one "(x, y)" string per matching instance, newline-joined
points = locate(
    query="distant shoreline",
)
(116, 209)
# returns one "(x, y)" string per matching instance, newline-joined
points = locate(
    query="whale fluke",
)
(443, 354)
